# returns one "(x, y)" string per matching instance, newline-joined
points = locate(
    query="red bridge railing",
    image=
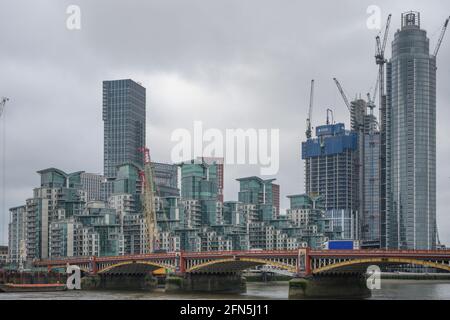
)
(263, 253)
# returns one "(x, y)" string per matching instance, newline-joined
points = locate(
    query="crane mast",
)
(3, 101)
(148, 203)
(309, 119)
(441, 37)
(380, 60)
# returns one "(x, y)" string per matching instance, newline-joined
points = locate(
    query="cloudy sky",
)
(228, 63)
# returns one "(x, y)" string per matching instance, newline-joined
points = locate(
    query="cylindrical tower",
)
(411, 139)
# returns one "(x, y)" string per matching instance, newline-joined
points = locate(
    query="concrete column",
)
(94, 265)
(182, 263)
(118, 282)
(224, 283)
(329, 287)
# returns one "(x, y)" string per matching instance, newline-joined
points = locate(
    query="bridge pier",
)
(118, 282)
(336, 286)
(206, 282)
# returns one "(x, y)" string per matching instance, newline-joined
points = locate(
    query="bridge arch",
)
(133, 267)
(239, 264)
(380, 261)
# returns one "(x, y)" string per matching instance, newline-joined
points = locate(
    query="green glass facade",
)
(105, 223)
(199, 181)
(127, 179)
(124, 124)
(254, 190)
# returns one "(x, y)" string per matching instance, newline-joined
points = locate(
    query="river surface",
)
(390, 289)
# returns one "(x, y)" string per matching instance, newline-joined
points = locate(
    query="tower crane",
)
(436, 50)
(381, 61)
(309, 119)
(381, 44)
(148, 202)
(3, 101)
(371, 99)
(441, 36)
(344, 96)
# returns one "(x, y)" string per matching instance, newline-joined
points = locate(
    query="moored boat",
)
(47, 287)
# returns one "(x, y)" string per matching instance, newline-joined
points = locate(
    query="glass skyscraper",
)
(124, 124)
(410, 218)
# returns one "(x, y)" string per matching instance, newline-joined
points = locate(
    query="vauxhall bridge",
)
(303, 262)
(316, 272)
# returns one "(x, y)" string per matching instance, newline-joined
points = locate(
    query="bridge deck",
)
(302, 259)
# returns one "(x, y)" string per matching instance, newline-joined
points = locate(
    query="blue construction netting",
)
(328, 144)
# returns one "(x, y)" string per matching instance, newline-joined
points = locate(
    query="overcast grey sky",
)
(228, 63)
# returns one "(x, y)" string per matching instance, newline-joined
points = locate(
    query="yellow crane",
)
(148, 203)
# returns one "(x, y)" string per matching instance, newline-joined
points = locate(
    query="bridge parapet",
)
(358, 260)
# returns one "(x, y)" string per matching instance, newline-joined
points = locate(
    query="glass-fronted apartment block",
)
(92, 184)
(58, 222)
(4, 255)
(263, 193)
(127, 179)
(166, 179)
(199, 180)
(124, 204)
(331, 171)
(312, 226)
(87, 242)
(212, 212)
(59, 197)
(190, 214)
(62, 225)
(62, 238)
(200, 194)
(135, 234)
(190, 239)
(17, 236)
(410, 218)
(233, 213)
(218, 164)
(127, 187)
(124, 124)
(235, 236)
(104, 222)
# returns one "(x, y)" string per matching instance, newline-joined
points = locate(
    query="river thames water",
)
(390, 289)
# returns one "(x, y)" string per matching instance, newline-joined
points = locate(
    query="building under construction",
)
(367, 165)
(331, 171)
(364, 124)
